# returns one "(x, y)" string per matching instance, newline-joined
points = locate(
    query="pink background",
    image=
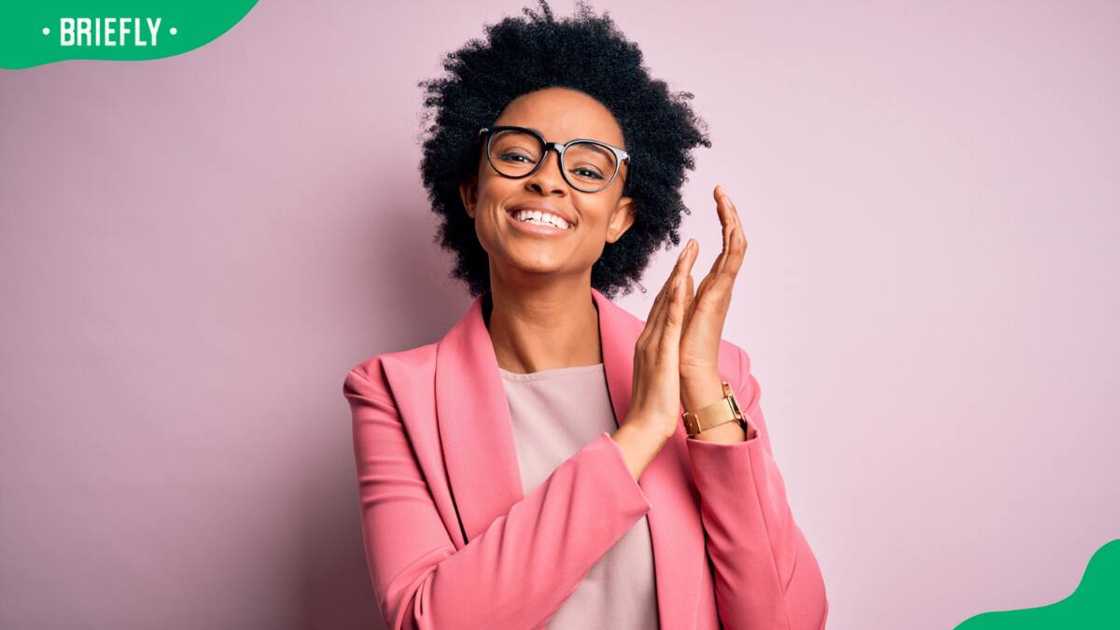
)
(195, 250)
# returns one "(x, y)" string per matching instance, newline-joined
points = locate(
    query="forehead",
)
(561, 114)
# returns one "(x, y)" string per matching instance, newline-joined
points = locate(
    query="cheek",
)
(597, 217)
(489, 212)
(493, 190)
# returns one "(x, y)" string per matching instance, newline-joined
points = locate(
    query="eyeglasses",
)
(518, 152)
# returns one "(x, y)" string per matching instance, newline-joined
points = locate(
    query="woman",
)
(532, 468)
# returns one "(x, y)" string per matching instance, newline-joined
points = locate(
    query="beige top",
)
(555, 413)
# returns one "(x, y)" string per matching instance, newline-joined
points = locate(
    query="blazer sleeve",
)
(520, 569)
(766, 576)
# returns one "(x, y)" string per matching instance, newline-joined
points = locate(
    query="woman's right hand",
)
(655, 398)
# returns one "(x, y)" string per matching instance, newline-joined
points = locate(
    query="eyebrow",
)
(541, 134)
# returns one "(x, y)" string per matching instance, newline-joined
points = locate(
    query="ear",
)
(468, 193)
(622, 217)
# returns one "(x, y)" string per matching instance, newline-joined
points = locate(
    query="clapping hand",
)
(706, 312)
(676, 355)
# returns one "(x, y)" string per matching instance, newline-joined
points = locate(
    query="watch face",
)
(690, 426)
(735, 406)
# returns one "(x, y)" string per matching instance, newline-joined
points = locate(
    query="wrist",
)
(726, 433)
(654, 428)
(700, 391)
(715, 417)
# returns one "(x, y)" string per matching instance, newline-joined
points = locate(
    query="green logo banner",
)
(1094, 604)
(37, 32)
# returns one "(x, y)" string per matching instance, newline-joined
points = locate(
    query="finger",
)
(690, 291)
(674, 318)
(735, 253)
(674, 274)
(674, 309)
(727, 223)
(657, 322)
(651, 319)
(737, 241)
(726, 211)
(653, 323)
(727, 263)
(729, 206)
(668, 325)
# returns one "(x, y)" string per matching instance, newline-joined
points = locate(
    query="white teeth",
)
(543, 218)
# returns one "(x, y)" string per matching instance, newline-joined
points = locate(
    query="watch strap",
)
(722, 411)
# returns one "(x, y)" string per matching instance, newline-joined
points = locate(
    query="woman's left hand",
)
(707, 310)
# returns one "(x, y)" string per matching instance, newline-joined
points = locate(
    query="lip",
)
(567, 216)
(537, 229)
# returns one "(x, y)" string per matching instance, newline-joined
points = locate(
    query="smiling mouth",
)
(540, 218)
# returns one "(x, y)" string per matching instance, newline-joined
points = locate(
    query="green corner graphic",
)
(37, 32)
(1095, 603)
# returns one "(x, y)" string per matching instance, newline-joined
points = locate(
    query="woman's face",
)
(524, 253)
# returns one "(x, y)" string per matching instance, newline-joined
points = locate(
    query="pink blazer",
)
(452, 542)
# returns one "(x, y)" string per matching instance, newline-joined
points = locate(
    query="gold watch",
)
(722, 411)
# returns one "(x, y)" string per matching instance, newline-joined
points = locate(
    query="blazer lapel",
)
(476, 437)
(475, 427)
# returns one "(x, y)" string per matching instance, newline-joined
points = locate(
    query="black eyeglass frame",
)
(620, 155)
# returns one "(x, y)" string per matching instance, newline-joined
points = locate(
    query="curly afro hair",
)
(524, 55)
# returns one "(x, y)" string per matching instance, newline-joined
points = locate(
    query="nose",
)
(547, 179)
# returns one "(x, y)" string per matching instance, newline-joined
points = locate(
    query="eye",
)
(509, 157)
(589, 173)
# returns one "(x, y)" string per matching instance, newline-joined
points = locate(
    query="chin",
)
(537, 267)
(525, 263)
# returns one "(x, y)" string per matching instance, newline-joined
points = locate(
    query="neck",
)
(537, 328)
